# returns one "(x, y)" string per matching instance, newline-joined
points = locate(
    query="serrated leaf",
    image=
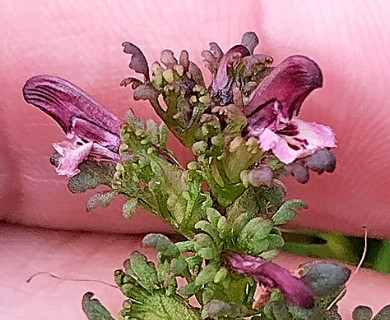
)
(207, 295)
(245, 204)
(163, 135)
(179, 266)
(269, 255)
(102, 199)
(280, 310)
(253, 236)
(159, 306)
(208, 228)
(142, 270)
(287, 211)
(161, 243)
(222, 227)
(206, 275)
(189, 289)
(275, 241)
(383, 314)
(314, 313)
(93, 309)
(152, 131)
(91, 175)
(213, 216)
(216, 309)
(205, 246)
(240, 223)
(324, 277)
(362, 313)
(129, 208)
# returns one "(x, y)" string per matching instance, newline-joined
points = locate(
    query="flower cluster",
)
(229, 202)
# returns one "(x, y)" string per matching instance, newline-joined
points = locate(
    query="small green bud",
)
(179, 70)
(199, 147)
(236, 144)
(221, 275)
(217, 140)
(168, 75)
(205, 99)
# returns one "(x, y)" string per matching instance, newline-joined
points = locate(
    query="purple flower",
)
(93, 131)
(272, 275)
(273, 108)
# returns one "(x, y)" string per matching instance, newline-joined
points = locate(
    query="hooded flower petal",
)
(221, 86)
(272, 111)
(94, 130)
(90, 132)
(289, 84)
(63, 101)
(273, 276)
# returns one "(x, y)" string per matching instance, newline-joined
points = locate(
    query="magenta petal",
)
(272, 275)
(289, 84)
(293, 288)
(99, 152)
(63, 101)
(90, 132)
(71, 156)
(221, 78)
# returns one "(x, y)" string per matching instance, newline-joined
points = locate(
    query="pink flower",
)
(271, 275)
(93, 131)
(273, 108)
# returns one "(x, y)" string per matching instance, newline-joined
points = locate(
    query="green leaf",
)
(253, 236)
(161, 243)
(93, 309)
(102, 199)
(213, 216)
(221, 275)
(245, 204)
(216, 309)
(287, 211)
(240, 223)
(269, 255)
(129, 207)
(189, 289)
(163, 135)
(142, 270)
(179, 266)
(206, 275)
(362, 313)
(205, 246)
(91, 175)
(275, 241)
(383, 314)
(208, 228)
(159, 306)
(222, 227)
(298, 312)
(324, 277)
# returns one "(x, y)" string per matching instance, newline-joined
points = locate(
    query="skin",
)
(81, 42)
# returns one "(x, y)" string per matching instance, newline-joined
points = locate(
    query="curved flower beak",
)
(276, 102)
(94, 131)
(272, 275)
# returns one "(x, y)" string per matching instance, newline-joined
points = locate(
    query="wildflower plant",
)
(228, 203)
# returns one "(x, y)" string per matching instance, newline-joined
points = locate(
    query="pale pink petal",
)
(71, 156)
(310, 138)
